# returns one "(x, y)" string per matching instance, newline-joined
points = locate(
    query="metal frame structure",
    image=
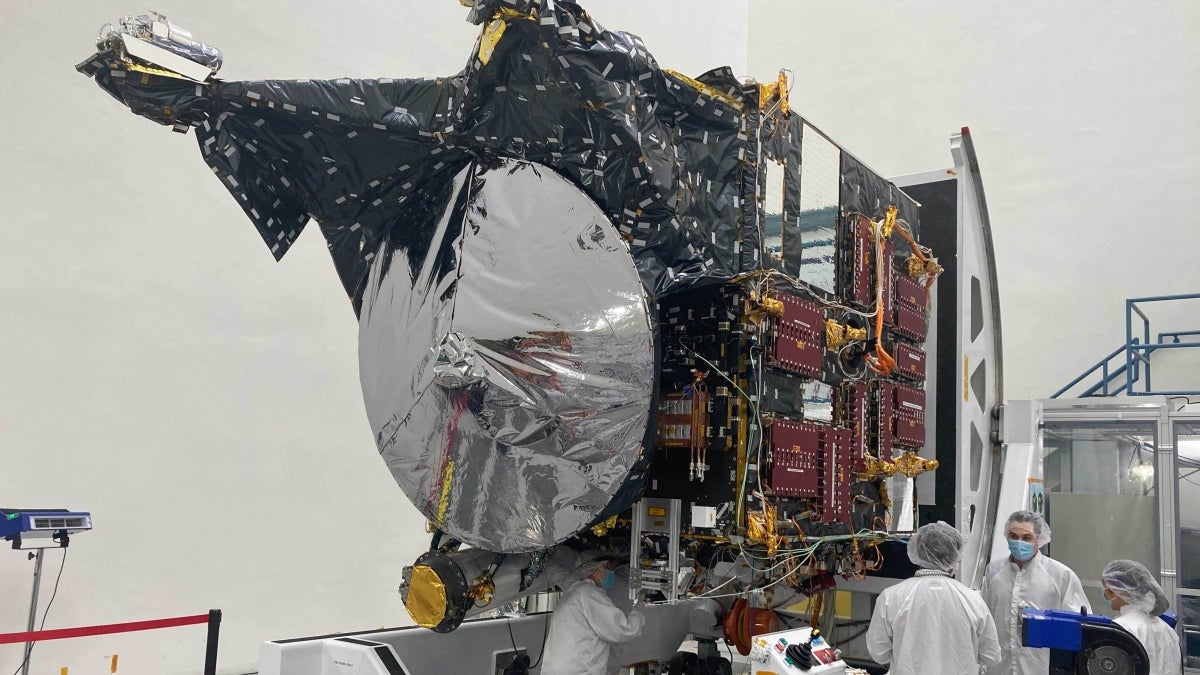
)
(1137, 352)
(1176, 422)
(978, 367)
(1153, 410)
(1167, 424)
(665, 580)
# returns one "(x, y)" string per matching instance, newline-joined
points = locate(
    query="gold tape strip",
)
(705, 89)
(444, 500)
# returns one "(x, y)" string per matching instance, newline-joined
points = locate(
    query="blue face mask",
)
(610, 580)
(1021, 550)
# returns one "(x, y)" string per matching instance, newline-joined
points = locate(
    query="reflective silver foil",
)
(506, 358)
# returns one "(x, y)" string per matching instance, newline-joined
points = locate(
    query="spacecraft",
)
(601, 304)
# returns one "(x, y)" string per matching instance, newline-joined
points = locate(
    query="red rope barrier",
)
(85, 631)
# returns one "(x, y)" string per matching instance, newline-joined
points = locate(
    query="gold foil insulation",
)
(427, 601)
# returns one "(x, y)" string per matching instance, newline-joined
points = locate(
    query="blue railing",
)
(1122, 370)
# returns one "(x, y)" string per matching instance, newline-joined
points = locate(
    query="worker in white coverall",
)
(932, 623)
(1027, 578)
(1131, 590)
(586, 624)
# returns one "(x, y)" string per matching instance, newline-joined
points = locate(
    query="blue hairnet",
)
(935, 546)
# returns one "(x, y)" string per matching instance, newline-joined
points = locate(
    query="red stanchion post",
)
(214, 632)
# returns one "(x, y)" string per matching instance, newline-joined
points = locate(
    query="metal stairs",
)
(1128, 366)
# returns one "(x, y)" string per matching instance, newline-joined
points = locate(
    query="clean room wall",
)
(1084, 116)
(162, 371)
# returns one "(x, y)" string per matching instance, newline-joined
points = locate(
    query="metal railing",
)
(1122, 370)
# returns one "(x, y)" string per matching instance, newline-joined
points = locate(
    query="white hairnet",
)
(590, 561)
(1040, 528)
(1134, 584)
(935, 546)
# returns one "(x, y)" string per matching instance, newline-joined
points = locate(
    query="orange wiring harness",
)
(926, 266)
(883, 363)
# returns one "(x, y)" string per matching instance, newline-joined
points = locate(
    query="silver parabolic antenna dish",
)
(506, 358)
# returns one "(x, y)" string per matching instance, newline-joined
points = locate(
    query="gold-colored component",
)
(889, 221)
(444, 500)
(916, 267)
(835, 334)
(761, 528)
(966, 378)
(482, 591)
(765, 93)
(877, 467)
(705, 89)
(772, 306)
(601, 529)
(719, 538)
(426, 602)
(886, 500)
(494, 30)
(772, 536)
(778, 88)
(490, 38)
(841, 601)
(911, 464)
(510, 13)
(756, 309)
(756, 528)
(933, 269)
(919, 269)
(467, 3)
(151, 70)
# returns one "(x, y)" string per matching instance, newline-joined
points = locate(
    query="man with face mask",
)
(1026, 578)
(586, 624)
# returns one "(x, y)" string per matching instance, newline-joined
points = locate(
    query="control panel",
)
(796, 652)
